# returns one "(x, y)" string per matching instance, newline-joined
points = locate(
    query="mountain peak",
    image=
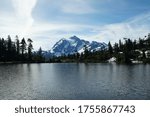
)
(74, 37)
(73, 45)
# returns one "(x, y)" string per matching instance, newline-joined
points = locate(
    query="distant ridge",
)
(73, 45)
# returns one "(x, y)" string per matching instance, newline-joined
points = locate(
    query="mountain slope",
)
(73, 45)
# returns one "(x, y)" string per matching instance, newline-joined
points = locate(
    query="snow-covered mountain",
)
(73, 45)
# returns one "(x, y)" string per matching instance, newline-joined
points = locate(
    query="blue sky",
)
(47, 21)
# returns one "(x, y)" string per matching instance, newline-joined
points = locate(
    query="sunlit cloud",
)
(47, 34)
(48, 21)
(19, 20)
(23, 12)
(134, 28)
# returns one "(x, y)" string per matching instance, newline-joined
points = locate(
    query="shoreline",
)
(19, 62)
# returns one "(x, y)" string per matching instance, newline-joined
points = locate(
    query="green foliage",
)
(38, 57)
(30, 48)
(17, 51)
(124, 52)
(110, 48)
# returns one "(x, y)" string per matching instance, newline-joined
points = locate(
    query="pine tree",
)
(86, 52)
(0, 49)
(23, 48)
(110, 49)
(9, 48)
(30, 48)
(3, 47)
(17, 45)
(148, 39)
(40, 52)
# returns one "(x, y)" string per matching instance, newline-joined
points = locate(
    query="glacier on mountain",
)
(73, 45)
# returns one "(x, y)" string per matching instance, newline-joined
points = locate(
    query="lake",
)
(96, 81)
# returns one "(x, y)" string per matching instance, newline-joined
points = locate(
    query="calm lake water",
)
(74, 81)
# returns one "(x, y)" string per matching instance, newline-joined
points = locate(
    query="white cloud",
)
(133, 28)
(24, 10)
(49, 33)
(46, 34)
(18, 20)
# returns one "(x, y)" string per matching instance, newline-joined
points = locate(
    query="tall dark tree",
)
(120, 45)
(86, 51)
(23, 46)
(30, 48)
(40, 52)
(0, 49)
(110, 49)
(9, 48)
(116, 48)
(14, 51)
(17, 45)
(141, 43)
(40, 55)
(134, 45)
(3, 50)
(148, 41)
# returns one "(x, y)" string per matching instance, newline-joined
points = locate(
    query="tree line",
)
(125, 51)
(129, 50)
(19, 50)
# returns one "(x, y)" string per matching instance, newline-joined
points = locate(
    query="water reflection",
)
(74, 81)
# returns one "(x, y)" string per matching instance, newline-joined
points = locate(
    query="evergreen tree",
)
(3, 50)
(0, 49)
(116, 48)
(30, 48)
(141, 43)
(110, 49)
(17, 45)
(148, 41)
(40, 52)
(86, 51)
(120, 46)
(134, 45)
(9, 48)
(23, 47)
(39, 57)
